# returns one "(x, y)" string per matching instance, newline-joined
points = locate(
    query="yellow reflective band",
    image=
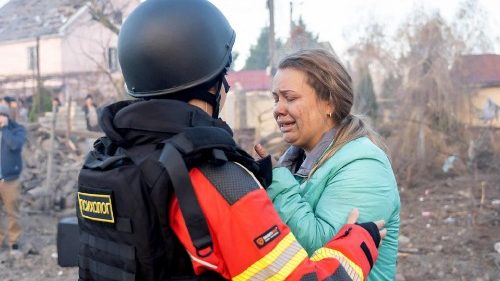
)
(354, 271)
(290, 266)
(275, 261)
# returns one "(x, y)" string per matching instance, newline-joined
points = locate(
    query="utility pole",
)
(272, 41)
(50, 191)
(38, 77)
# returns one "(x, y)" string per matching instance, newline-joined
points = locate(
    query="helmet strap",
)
(210, 98)
(216, 106)
(204, 95)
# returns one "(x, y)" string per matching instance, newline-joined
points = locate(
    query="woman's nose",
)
(278, 110)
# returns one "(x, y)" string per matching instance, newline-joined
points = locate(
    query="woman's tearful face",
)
(301, 116)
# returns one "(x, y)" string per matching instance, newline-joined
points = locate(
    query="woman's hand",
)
(262, 153)
(353, 217)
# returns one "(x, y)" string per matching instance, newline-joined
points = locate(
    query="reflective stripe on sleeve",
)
(277, 264)
(354, 271)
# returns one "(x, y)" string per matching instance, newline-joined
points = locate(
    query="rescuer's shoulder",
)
(231, 179)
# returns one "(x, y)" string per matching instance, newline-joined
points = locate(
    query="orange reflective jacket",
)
(250, 242)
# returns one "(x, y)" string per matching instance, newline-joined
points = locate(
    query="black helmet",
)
(169, 46)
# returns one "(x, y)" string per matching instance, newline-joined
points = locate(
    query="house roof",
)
(21, 19)
(480, 70)
(250, 80)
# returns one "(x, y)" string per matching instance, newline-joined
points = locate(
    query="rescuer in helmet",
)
(219, 224)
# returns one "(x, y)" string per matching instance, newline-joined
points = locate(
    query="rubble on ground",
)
(449, 226)
(58, 191)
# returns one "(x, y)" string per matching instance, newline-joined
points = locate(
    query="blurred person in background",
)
(22, 115)
(56, 102)
(335, 162)
(12, 138)
(12, 104)
(91, 115)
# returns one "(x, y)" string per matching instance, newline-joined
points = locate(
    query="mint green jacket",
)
(359, 176)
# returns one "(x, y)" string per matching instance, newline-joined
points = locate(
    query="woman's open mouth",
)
(286, 126)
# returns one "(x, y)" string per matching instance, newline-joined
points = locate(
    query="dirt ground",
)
(448, 231)
(449, 228)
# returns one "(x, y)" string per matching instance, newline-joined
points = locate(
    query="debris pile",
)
(52, 161)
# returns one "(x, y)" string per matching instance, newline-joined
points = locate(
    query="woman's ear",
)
(329, 110)
(327, 107)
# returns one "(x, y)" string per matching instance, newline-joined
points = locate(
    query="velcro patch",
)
(97, 207)
(267, 237)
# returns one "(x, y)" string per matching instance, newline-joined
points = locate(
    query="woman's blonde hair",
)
(331, 82)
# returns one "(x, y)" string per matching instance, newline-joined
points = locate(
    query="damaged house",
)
(64, 47)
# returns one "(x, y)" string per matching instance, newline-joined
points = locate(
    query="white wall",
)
(14, 57)
(258, 112)
(82, 46)
(85, 45)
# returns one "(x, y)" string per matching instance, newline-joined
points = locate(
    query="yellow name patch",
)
(97, 207)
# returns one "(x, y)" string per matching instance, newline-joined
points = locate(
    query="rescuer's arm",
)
(251, 242)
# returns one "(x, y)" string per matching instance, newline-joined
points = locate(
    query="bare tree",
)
(470, 25)
(425, 125)
(427, 100)
(108, 13)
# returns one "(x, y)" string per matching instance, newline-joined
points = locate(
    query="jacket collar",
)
(137, 121)
(313, 157)
(300, 162)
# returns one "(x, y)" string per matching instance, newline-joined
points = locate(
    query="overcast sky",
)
(336, 21)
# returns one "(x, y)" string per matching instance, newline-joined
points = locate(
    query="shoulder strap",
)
(171, 161)
(193, 145)
(191, 211)
(196, 139)
(192, 142)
